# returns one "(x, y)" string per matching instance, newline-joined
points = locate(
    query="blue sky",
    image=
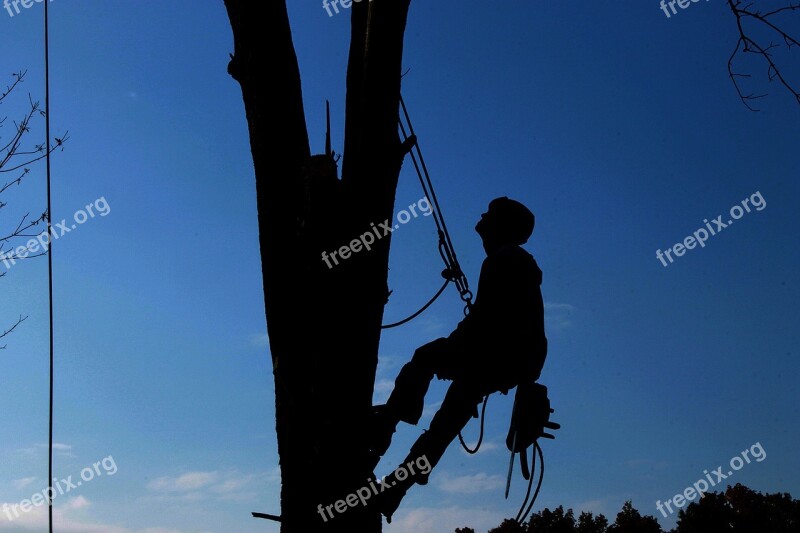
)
(617, 125)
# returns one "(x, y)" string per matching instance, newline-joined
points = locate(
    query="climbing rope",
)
(446, 249)
(452, 271)
(543, 418)
(520, 518)
(421, 310)
(467, 449)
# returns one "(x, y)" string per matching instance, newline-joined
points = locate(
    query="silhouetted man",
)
(497, 346)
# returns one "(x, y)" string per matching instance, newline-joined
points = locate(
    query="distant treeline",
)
(737, 510)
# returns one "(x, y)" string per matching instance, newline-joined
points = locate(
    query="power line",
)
(49, 260)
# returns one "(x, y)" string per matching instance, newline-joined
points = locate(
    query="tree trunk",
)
(323, 323)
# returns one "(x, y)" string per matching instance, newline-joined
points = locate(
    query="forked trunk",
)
(323, 323)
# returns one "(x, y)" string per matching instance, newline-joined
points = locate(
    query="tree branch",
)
(15, 159)
(747, 43)
(19, 321)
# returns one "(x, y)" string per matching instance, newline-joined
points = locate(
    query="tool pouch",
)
(530, 418)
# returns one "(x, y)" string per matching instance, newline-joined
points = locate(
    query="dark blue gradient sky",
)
(619, 128)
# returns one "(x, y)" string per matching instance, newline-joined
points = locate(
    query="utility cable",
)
(49, 260)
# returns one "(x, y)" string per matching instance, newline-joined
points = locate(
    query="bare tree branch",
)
(12, 150)
(15, 157)
(18, 76)
(19, 321)
(751, 42)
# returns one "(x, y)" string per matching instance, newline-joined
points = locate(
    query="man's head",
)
(505, 222)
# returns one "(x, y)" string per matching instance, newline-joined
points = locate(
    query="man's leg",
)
(457, 409)
(458, 406)
(408, 397)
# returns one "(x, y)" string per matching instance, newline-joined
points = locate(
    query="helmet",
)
(511, 221)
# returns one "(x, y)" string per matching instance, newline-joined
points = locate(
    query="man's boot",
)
(389, 500)
(383, 424)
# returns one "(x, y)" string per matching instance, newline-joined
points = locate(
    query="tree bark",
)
(323, 323)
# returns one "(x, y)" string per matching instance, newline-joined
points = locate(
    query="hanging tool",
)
(529, 419)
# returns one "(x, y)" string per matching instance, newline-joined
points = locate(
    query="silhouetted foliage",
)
(557, 521)
(741, 510)
(710, 515)
(549, 521)
(588, 523)
(629, 520)
(737, 510)
(509, 526)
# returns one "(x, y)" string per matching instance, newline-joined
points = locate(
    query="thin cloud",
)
(430, 409)
(187, 482)
(78, 502)
(558, 316)
(259, 340)
(63, 514)
(436, 520)
(59, 448)
(383, 388)
(433, 324)
(387, 365)
(24, 482)
(481, 482)
(197, 486)
(485, 447)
